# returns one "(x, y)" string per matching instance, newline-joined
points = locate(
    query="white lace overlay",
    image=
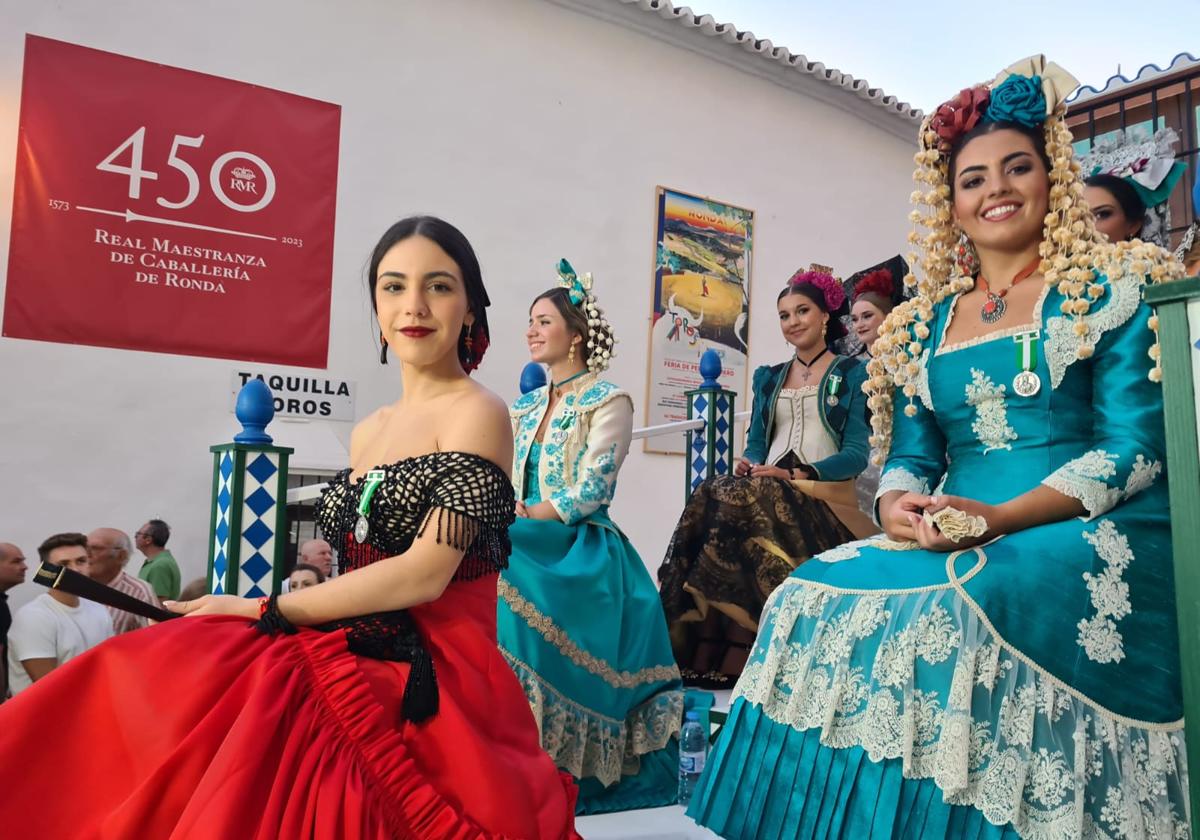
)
(1143, 474)
(991, 412)
(1062, 345)
(921, 678)
(586, 743)
(1085, 478)
(922, 381)
(845, 551)
(1098, 635)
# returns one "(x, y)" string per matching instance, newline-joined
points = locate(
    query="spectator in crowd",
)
(304, 576)
(108, 552)
(54, 627)
(317, 553)
(12, 572)
(160, 569)
(194, 590)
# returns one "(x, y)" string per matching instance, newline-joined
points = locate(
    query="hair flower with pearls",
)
(601, 342)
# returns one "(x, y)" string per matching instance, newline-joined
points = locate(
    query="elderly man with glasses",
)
(108, 551)
(160, 569)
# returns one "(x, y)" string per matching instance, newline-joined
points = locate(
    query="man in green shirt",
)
(160, 569)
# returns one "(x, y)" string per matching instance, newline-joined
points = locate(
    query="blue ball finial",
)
(710, 369)
(533, 376)
(254, 410)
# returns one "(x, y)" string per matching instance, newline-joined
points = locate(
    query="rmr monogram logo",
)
(243, 180)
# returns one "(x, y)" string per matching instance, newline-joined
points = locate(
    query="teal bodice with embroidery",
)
(531, 493)
(586, 438)
(1094, 431)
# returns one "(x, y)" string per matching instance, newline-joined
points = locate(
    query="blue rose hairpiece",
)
(1018, 99)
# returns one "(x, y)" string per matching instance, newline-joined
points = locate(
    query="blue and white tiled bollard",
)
(710, 449)
(248, 524)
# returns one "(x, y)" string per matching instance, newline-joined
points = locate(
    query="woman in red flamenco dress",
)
(375, 706)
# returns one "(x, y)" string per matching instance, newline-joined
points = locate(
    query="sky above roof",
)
(925, 52)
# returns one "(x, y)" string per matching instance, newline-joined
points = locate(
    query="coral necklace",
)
(993, 303)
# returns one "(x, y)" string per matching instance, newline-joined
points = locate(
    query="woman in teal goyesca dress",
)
(1024, 682)
(579, 618)
(791, 497)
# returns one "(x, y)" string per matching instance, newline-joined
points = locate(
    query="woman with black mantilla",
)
(792, 495)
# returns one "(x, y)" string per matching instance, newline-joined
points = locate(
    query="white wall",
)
(540, 131)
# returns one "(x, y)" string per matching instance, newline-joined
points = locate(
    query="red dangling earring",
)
(965, 257)
(468, 349)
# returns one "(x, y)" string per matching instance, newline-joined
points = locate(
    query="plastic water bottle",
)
(693, 750)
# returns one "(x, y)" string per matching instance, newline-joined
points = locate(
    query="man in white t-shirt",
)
(54, 627)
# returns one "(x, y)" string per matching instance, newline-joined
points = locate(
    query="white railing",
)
(312, 491)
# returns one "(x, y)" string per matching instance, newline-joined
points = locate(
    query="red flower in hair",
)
(959, 115)
(878, 281)
(830, 288)
(470, 359)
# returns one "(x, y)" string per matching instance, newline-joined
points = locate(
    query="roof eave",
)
(1120, 85)
(741, 50)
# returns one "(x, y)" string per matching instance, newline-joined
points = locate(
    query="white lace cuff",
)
(1085, 479)
(897, 478)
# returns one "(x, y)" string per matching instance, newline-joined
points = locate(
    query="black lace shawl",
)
(467, 498)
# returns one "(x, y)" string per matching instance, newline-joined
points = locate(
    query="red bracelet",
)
(263, 603)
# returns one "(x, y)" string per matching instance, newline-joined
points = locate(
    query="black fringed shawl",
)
(467, 498)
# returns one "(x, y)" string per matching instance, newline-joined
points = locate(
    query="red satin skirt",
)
(202, 728)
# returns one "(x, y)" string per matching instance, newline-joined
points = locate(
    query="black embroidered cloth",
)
(468, 499)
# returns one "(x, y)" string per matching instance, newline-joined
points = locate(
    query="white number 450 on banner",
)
(242, 181)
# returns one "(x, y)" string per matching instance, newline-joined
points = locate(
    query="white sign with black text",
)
(302, 396)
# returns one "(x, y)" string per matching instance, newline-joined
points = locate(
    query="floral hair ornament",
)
(577, 288)
(600, 338)
(959, 115)
(879, 281)
(830, 288)
(1056, 85)
(1026, 93)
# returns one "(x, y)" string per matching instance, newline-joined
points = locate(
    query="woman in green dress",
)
(1002, 662)
(579, 619)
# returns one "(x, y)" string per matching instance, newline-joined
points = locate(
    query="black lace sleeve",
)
(329, 513)
(470, 502)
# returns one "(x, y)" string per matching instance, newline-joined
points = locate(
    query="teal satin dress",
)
(1027, 687)
(580, 623)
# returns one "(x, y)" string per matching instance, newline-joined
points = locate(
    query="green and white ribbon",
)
(362, 527)
(373, 480)
(1027, 350)
(831, 387)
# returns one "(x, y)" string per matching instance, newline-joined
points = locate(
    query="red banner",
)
(162, 209)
